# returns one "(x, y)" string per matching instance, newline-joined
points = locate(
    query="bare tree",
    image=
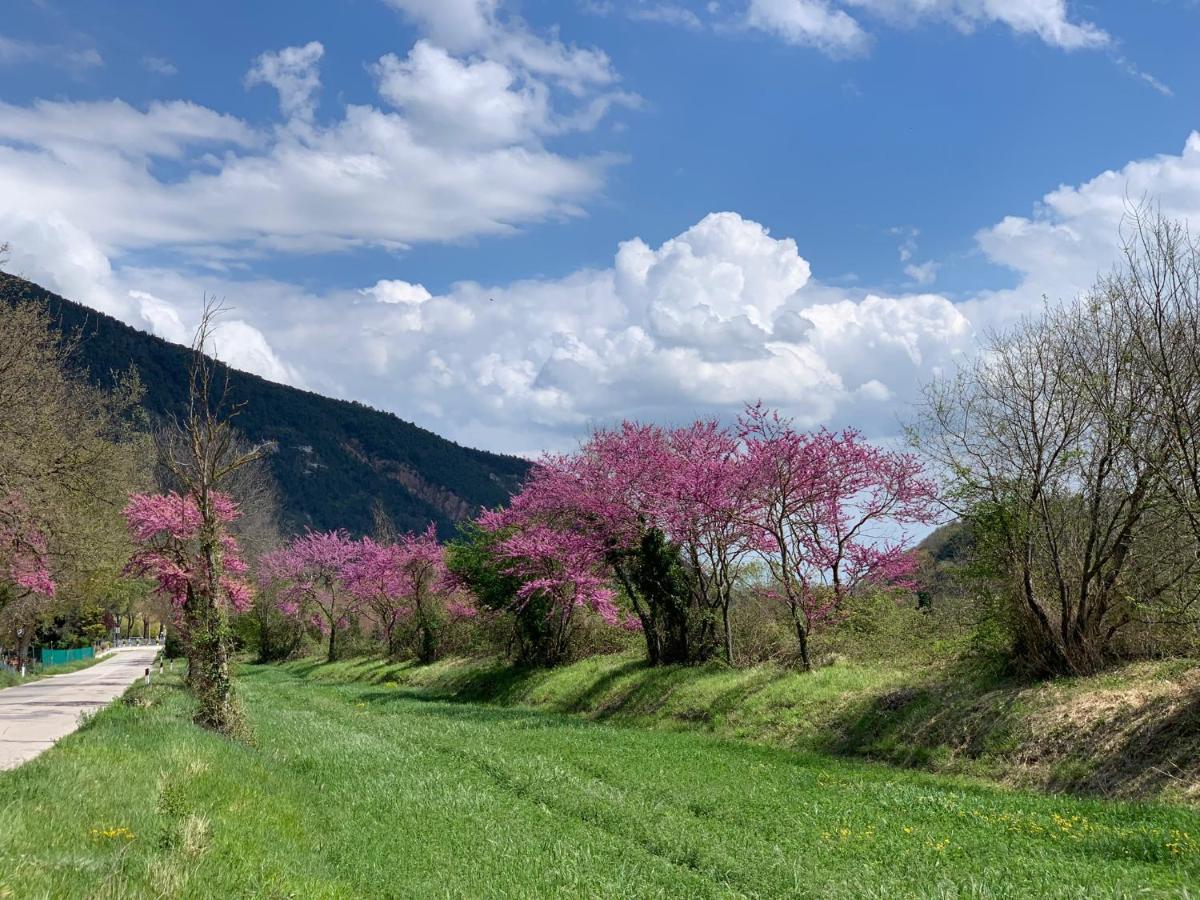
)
(1057, 443)
(1157, 299)
(203, 455)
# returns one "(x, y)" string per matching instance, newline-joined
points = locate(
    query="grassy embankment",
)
(363, 789)
(1133, 732)
(10, 679)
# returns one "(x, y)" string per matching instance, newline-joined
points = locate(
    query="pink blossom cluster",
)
(560, 564)
(23, 549)
(826, 511)
(328, 579)
(833, 509)
(167, 530)
(307, 577)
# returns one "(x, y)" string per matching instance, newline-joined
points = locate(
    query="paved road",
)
(35, 715)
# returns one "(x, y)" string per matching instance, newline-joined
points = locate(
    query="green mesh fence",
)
(59, 657)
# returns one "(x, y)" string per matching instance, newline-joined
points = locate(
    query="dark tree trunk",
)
(802, 642)
(728, 633)
(393, 647)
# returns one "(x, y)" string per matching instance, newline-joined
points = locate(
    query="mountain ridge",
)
(335, 459)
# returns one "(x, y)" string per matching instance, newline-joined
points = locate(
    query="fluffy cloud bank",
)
(719, 314)
(1074, 233)
(723, 312)
(460, 141)
(457, 146)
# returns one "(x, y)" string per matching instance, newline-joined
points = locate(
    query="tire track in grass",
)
(608, 816)
(869, 798)
(334, 709)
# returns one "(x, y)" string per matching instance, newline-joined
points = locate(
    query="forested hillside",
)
(334, 459)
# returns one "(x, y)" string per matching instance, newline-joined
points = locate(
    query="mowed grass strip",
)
(358, 790)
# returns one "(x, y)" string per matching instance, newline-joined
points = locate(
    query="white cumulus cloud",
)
(1048, 20)
(846, 28)
(722, 313)
(814, 23)
(1074, 233)
(465, 155)
(462, 102)
(294, 73)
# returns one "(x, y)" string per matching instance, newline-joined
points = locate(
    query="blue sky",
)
(419, 203)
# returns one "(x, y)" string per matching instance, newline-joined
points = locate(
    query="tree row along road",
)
(35, 715)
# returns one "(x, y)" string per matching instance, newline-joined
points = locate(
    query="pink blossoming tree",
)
(25, 580)
(660, 512)
(309, 575)
(704, 506)
(168, 532)
(675, 516)
(23, 550)
(559, 572)
(373, 580)
(832, 509)
(184, 537)
(406, 581)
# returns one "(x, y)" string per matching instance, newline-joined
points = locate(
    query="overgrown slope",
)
(335, 458)
(1133, 732)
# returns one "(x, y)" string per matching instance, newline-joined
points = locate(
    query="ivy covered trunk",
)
(210, 673)
(208, 628)
(802, 641)
(677, 629)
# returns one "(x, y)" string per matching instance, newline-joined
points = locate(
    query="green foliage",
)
(892, 627)
(358, 790)
(267, 634)
(172, 646)
(677, 628)
(1132, 733)
(950, 544)
(471, 559)
(524, 629)
(70, 453)
(335, 458)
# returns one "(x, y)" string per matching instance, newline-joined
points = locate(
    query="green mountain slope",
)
(335, 458)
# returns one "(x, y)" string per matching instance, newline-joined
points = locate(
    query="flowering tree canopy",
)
(327, 580)
(831, 508)
(310, 575)
(166, 529)
(26, 584)
(373, 578)
(660, 512)
(402, 581)
(674, 515)
(23, 551)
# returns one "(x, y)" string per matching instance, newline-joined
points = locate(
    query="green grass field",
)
(365, 790)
